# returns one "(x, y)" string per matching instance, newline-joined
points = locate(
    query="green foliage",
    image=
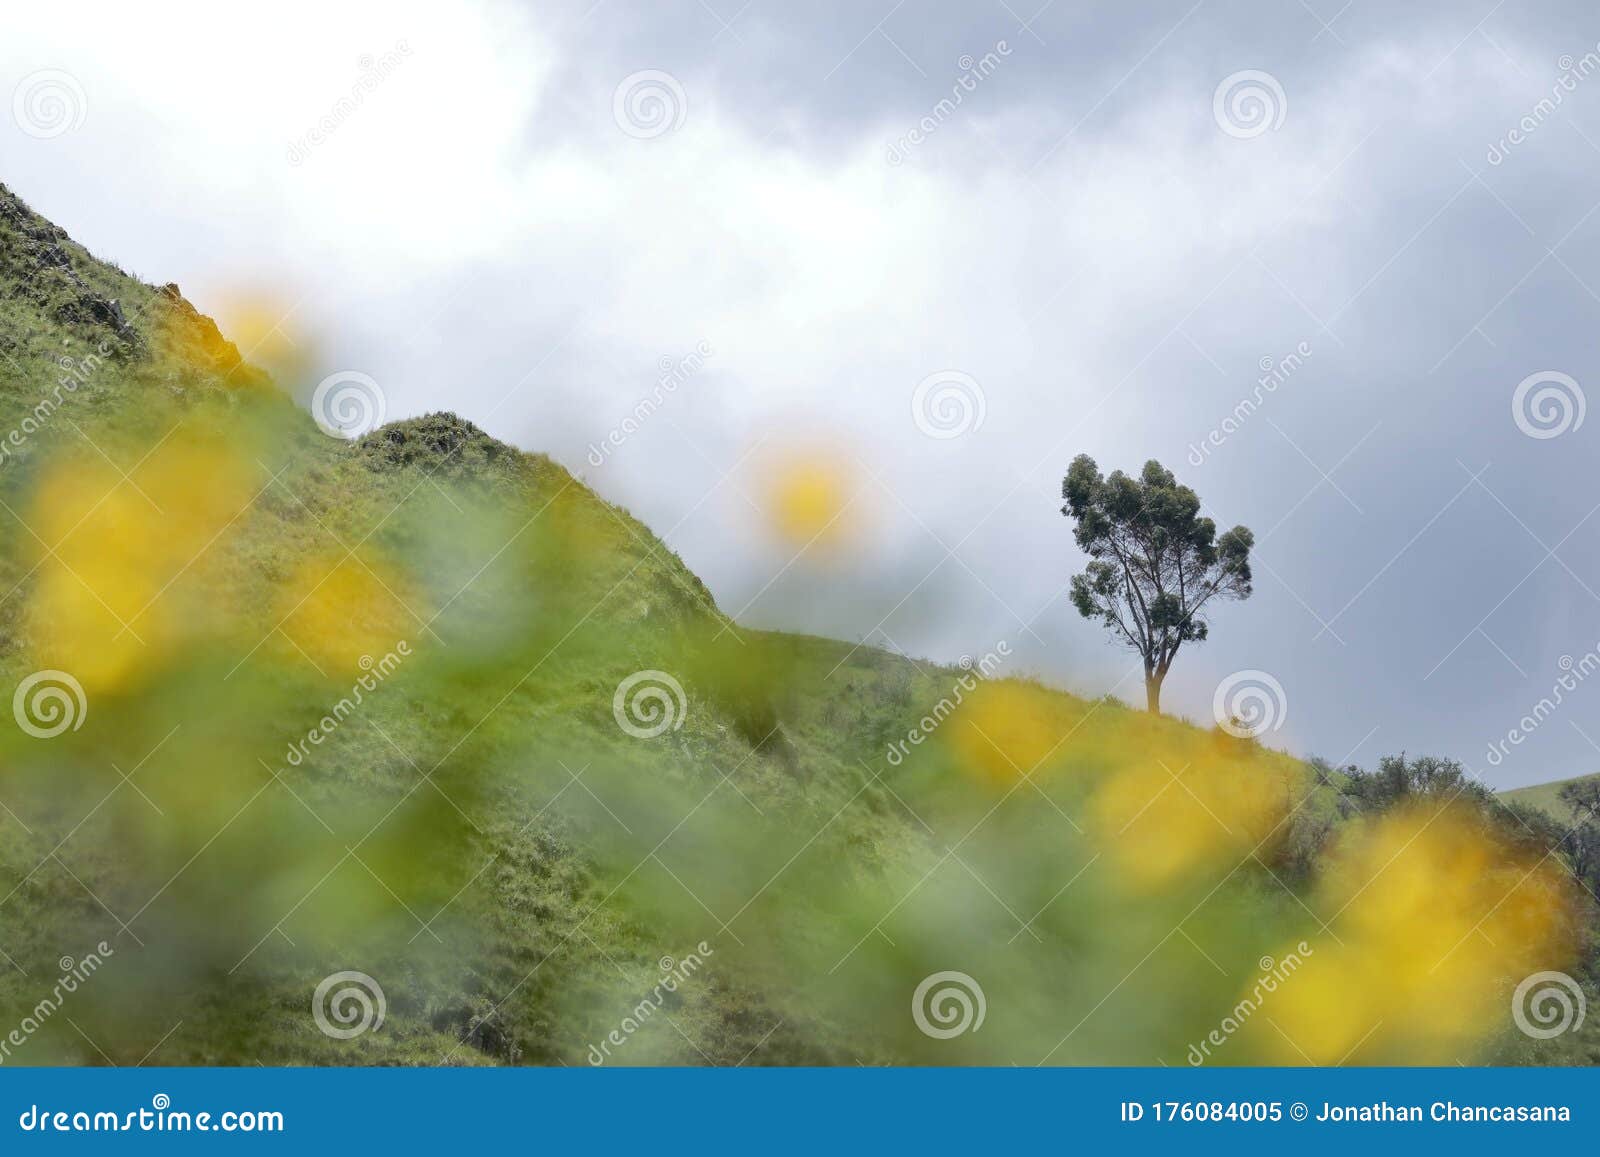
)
(1399, 779)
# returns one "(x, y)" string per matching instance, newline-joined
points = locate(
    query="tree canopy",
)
(1156, 563)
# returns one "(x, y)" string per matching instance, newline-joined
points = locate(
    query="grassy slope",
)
(483, 838)
(399, 494)
(1544, 796)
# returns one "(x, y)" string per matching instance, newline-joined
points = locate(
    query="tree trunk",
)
(1152, 693)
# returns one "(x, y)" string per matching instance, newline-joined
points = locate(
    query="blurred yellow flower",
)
(1004, 730)
(119, 557)
(1182, 800)
(1436, 918)
(337, 609)
(264, 324)
(810, 498)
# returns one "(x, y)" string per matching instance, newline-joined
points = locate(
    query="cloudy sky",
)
(1085, 227)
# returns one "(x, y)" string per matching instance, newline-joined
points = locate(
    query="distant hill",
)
(1544, 796)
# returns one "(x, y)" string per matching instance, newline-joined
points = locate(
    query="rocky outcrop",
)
(41, 266)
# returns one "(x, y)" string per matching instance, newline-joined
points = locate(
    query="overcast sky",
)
(1095, 249)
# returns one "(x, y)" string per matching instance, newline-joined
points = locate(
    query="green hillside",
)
(1545, 797)
(424, 708)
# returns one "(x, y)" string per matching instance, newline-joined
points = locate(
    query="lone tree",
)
(1156, 562)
